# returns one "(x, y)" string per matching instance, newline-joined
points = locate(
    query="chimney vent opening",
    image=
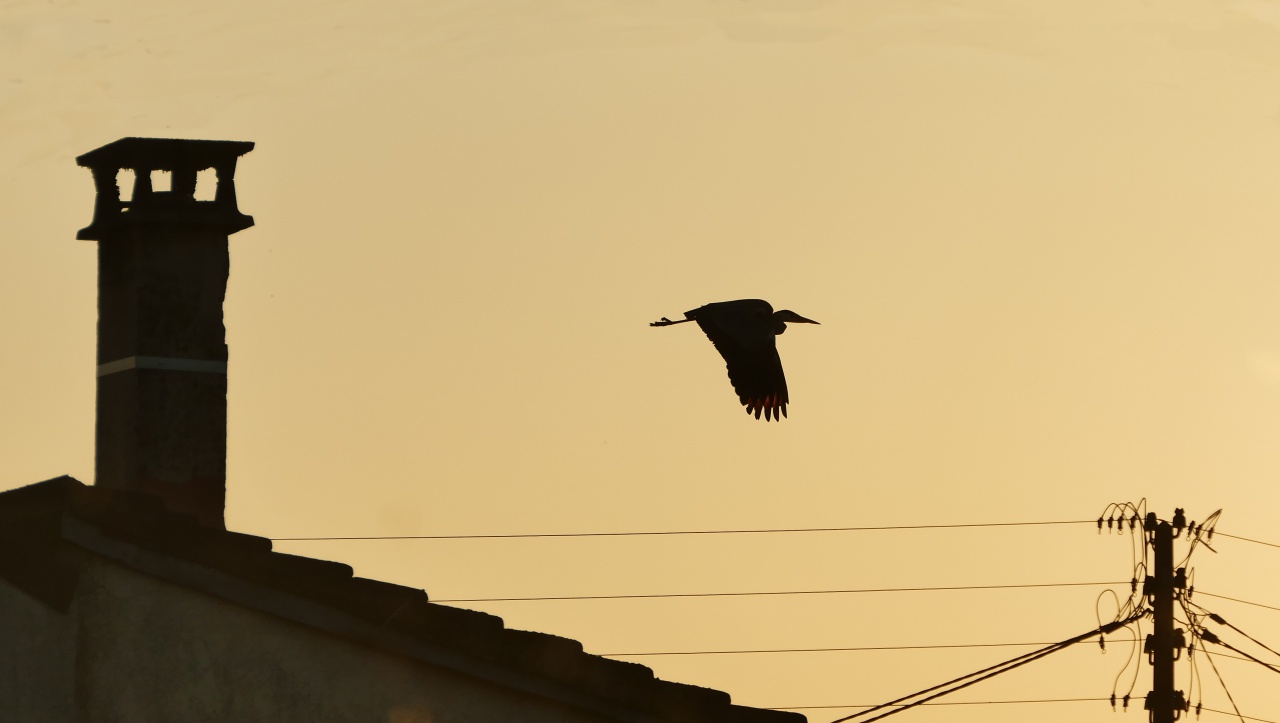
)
(161, 181)
(125, 181)
(206, 184)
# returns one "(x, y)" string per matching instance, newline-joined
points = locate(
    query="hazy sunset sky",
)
(1042, 239)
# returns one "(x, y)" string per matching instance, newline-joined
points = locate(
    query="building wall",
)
(37, 660)
(138, 649)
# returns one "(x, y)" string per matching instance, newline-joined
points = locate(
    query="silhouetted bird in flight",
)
(743, 332)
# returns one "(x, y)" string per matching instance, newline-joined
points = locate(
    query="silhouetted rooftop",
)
(134, 530)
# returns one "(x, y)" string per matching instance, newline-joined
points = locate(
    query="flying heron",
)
(743, 332)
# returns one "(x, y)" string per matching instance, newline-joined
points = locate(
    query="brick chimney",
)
(162, 353)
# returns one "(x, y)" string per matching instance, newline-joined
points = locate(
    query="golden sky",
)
(1041, 238)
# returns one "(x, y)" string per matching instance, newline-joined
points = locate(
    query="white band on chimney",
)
(161, 362)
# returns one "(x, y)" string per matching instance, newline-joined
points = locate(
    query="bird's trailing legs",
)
(667, 322)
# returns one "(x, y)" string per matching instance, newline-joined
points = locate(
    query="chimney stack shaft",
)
(163, 266)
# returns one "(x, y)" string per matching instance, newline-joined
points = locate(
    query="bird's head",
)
(780, 319)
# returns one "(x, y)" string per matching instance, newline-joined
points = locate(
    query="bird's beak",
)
(803, 320)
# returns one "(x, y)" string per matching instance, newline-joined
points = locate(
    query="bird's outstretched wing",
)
(741, 333)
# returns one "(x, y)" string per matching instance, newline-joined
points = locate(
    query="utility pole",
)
(1160, 701)
(1163, 587)
(1165, 644)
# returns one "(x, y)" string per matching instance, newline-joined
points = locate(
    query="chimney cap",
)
(165, 154)
(185, 159)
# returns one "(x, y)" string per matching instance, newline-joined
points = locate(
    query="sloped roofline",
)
(134, 530)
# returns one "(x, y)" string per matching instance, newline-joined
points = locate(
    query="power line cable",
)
(947, 702)
(977, 676)
(830, 650)
(1212, 638)
(683, 532)
(1236, 599)
(1198, 628)
(776, 592)
(1223, 621)
(898, 705)
(1218, 619)
(1233, 657)
(860, 649)
(995, 670)
(1209, 657)
(1237, 715)
(1247, 539)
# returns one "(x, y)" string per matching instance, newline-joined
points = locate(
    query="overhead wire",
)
(1233, 657)
(965, 681)
(1248, 539)
(826, 650)
(1204, 635)
(1222, 621)
(1198, 632)
(652, 533)
(1236, 599)
(941, 588)
(1209, 657)
(1229, 646)
(977, 676)
(947, 702)
(1237, 715)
